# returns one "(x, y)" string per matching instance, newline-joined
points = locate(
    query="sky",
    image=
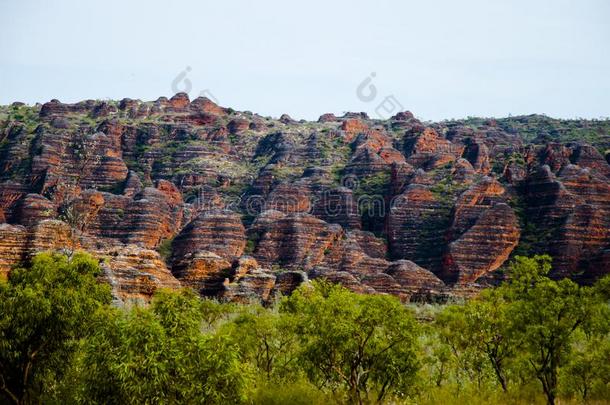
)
(440, 59)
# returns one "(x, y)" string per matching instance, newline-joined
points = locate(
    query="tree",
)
(546, 313)
(160, 355)
(364, 344)
(480, 331)
(587, 373)
(267, 340)
(45, 309)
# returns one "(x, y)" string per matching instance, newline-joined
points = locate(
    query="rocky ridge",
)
(240, 206)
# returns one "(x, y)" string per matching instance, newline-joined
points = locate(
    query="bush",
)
(531, 340)
(45, 309)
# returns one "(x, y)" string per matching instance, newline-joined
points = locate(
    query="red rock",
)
(133, 185)
(429, 148)
(370, 244)
(89, 161)
(484, 247)
(416, 283)
(292, 241)
(134, 273)
(288, 281)
(339, 207)
(102, 214)
(103, 109)
(328, 117)
(217, 231)
(75, 157)
(477, 153)
(358, 115)
(179, 101)
(348, 254)
(344, 278)
(588, 156)
(52, 235)
(514, 173)
(383, 283)
(203, 271)
(401, 175)
(555, 155)
(12, 247)
(473, 202)
(403, 116)
(204, 104)
(289, 198)
(416, 226)
(353, 127)
(55, 107)
(150, 218)
(128, 104)
(258, 125)
(34, 208)
(255, 284)
(10, 195)
(585, 230)
(171, 192)
(286, 119)
(238, 125)
(463, 171)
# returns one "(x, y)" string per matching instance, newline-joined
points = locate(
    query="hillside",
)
(240, 206)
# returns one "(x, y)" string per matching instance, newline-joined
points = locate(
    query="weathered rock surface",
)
(296, 241)
(254, 206)
(484, 247)
(203, 271)
(13, 239)
(218, 231)
(135, 273)
(250, 282)
(417, 222)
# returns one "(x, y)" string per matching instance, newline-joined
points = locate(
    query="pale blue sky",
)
(440, 59)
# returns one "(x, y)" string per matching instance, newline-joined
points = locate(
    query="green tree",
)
(45, 309)
(480, 332)
(267, 340)
(160, 355)
(363, 344)
(587, 373)
(546, 314)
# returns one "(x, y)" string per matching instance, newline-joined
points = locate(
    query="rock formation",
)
(175, 192)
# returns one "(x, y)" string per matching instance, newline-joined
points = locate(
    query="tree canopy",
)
(530, 340)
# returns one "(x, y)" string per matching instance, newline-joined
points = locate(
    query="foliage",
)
(159, 355)
(532, 328)
(530, 340)
(373, 185)
(268, 341)
(300, 392)
(546, 314)
(165, 249)
(364, 344)
(480, 334)
(44, 310)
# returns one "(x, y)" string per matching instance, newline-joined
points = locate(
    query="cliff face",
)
(236, 205)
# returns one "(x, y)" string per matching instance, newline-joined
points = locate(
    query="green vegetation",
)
(531, 340)
(45, 311)
(165, 249)
(159, 355)
(376, 184)
(446, 190)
